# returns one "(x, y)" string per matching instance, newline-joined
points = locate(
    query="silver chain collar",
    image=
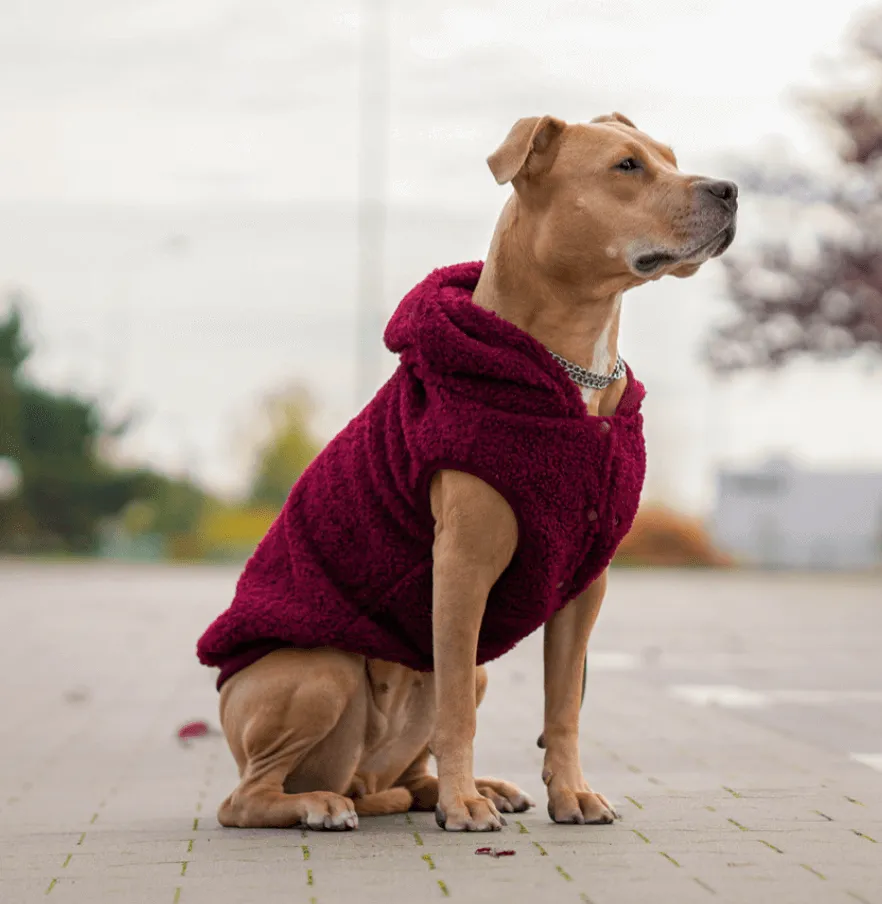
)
(581, 376)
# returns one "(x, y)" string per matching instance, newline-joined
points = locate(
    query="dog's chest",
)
(591, 398)
(400, 721)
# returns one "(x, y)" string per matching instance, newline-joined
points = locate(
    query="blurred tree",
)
(14, 520)
(13, 353)
(174, 508)
(287, 449)
(66, 489)
(830, 305)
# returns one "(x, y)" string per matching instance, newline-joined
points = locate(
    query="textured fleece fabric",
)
(348, 562)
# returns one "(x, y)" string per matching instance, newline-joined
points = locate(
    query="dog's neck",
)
(572, 321)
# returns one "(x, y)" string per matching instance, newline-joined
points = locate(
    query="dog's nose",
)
(727, 192)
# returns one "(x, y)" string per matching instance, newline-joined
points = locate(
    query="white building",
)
(783, 517)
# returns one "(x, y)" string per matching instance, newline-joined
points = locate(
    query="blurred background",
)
(208, 211)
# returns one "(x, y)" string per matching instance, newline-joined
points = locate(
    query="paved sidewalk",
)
(724, 716)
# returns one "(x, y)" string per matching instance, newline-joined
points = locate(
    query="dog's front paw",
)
(583, 807)
(506, 797)
(469, 814)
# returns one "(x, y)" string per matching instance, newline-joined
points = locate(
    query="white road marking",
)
(728, 695)
(734, 697)
(824, 697)
(873, 760)
(611, 661)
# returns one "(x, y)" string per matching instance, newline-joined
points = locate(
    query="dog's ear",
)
(615, 117)
(529, 149)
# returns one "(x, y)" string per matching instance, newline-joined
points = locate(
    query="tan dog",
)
(322, 736)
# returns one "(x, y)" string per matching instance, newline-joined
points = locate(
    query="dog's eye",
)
(629, 164)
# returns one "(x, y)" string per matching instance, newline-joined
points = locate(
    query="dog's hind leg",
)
(420, 784)
(294, 720)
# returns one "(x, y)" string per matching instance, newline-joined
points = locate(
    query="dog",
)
(327, 727)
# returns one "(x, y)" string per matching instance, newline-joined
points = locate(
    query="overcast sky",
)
(228, 100)
(124, 123)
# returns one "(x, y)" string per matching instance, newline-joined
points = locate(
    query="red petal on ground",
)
(193, 730)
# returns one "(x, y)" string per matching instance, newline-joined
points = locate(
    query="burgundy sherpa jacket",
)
(348, 561)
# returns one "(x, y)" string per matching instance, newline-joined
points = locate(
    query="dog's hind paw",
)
(330, 812)
(507, 798)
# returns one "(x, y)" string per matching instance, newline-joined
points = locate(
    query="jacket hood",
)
(446, 338)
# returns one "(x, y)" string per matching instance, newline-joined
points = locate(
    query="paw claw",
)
(580, 808)
(473, 814)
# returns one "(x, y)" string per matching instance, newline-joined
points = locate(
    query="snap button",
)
(615, 522)
(559, 584)
(592, 515)
(604, 426)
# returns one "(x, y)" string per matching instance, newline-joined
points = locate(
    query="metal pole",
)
(373, 152)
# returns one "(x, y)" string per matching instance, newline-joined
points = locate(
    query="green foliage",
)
(66, 488)
(13, 353)
(172, 508)
(288, 449)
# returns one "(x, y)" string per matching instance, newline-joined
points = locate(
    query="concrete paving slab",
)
(721, 802)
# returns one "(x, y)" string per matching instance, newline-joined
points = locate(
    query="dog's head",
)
(602, 201)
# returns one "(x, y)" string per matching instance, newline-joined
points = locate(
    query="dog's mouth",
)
(645, 264)
(726, 238)
(652, 261)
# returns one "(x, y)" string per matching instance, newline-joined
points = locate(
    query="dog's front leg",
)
(570, 799)
(475, 539)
